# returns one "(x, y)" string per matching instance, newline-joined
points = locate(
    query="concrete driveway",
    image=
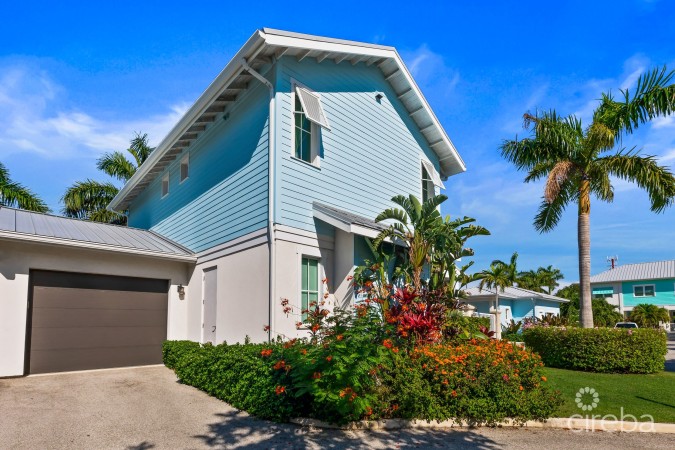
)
(146, 408)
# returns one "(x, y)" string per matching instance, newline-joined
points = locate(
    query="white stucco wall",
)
(17, 259)
(242, 290)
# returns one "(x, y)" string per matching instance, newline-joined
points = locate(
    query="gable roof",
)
(513, 293)
(17, 224)
(265, 47)
(633, 272)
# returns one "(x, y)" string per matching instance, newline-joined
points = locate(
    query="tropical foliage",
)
(89, 199)
(16, 195)
(604, 314)
(579, 162)
(647, 315)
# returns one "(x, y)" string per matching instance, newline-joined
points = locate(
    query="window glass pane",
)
(639, 292)
(425, 185)
(184, 168)
(306, 124)
(298, 105)
(306, 147)
(303, 284)
(304, 304)
(313, 299)
(649, 291)
(313, 275)
(298, 143)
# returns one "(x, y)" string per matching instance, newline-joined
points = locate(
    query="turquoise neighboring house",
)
(273, 177)
(632, 284)
(514, 303)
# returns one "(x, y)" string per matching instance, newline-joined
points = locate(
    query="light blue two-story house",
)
(629, 285)
(272, 178)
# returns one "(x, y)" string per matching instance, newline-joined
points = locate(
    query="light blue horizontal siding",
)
(226, 195)
(664, 291)
(371, 153)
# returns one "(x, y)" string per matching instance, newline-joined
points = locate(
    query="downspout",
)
(271, 138)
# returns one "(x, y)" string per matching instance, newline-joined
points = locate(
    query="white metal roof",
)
(263, 49)
(17, 224)
(512, 292)
(633, 272)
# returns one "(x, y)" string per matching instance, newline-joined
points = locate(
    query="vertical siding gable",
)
(371, 153)
(226, 194)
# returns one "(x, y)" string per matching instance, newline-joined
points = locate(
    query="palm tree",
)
(415, 224)
(549, 277)
(575, 162)
(89, 199)
(532, 280)
(15, 195)
(646, 315)
(498, 277)
(511, 267)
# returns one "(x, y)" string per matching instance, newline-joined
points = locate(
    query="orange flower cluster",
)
(316, 376)
(280, 390)
(266, 352)
(281, 364)
(349, 394)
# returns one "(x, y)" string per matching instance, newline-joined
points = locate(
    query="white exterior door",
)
(209, 303)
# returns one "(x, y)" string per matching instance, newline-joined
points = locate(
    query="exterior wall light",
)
(181, 291)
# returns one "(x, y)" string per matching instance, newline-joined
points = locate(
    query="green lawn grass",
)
(637, 394)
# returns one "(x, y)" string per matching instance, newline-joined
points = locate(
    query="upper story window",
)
(308, 119)
(644, 290)
(430, 179)
(185, 168)
(603, 293)
(165, 185)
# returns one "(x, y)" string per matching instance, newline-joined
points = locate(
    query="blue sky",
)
(78, 78)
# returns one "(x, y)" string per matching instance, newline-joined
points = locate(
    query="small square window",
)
(649, 291)
(185, 168)
(165, 185)
(639, 291)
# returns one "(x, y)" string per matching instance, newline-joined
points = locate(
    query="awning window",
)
(311, 105)
(435, 176)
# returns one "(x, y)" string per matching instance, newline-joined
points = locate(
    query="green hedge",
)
(475, 382)
(235, 374)
(605, 350)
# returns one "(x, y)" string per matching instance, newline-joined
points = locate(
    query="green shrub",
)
(174, 351)
(237, 374)
(599, 349)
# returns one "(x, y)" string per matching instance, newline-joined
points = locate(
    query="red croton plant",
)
(418, 316)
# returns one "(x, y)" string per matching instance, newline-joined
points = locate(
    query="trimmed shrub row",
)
(475, 381)
(606, 350)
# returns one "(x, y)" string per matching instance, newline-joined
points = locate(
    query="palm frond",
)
(558, 176)
(88, 197)
(116, 165)
(644, 171)
(16, 195)
(393, 214)
(654, 96)
(139, 148)
(550, 213)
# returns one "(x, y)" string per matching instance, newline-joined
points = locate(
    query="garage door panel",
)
(67, 298)
(84, 359)
(98, 337)
(82, 321)
(50, 317)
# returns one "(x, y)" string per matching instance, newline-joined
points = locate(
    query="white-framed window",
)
(165, 185)
(185, 167)
(309, 283)
(308, 120)
(644, 290)
(430, 179)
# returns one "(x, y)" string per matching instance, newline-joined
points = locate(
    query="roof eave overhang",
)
(278, 43)
(11, 236)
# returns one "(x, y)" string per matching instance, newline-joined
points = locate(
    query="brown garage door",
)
(83, 321)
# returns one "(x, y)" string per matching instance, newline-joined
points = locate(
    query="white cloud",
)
(664, 122)
(38, 121)
(430, 71)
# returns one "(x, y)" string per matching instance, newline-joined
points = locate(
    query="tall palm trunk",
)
(584, 241)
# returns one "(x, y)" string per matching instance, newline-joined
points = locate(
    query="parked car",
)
(626, 325)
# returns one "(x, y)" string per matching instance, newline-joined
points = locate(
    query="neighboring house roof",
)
(346, 221)
(512, 292)
(17, 224)
(264, 47)
(633, 272)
